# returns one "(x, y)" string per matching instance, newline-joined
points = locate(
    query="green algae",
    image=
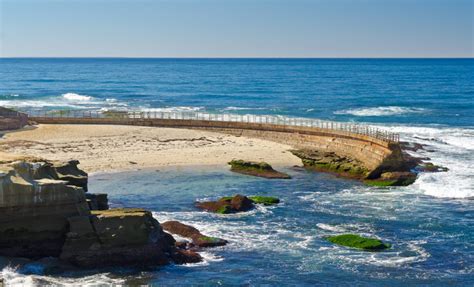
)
(265, 200)
(359, 242)
(248, 165)
(209, 239)
(224, 209)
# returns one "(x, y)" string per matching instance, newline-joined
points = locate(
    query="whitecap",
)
(172, 109)
(12, 277)
(76, 97)
(381, 111)
(328, 227)
(241, 108)
(446, 146)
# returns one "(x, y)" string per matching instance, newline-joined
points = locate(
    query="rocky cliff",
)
(12, 120)
(44, 212)
(34, 207)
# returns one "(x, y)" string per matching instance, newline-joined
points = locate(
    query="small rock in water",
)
(260, 169)
(237, 203)
(359, 242)
(189, 231)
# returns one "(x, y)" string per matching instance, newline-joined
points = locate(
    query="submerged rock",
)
(188, 231)
(260, 169)
(393, 179)
(359, 242)
(430, 167)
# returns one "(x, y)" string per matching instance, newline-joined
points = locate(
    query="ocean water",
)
(430, 223)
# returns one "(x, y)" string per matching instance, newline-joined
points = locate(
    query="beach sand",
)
(104, 148)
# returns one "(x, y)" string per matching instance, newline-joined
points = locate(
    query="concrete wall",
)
(370, 151)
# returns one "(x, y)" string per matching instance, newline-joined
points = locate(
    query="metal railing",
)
(350, 128)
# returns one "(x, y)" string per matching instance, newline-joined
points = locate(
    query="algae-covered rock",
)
(359, 242)
(393, 179)
(431, 167)
(199, 239)
(265, 200)
(226, 205)
(260, 169)
(331, 162)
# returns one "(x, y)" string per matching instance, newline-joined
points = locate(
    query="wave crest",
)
(381, 111)
(76, 97)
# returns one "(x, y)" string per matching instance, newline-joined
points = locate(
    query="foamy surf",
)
(12, 276)
(445, 146)
(76, 97)
(381, 111)
(71, 101)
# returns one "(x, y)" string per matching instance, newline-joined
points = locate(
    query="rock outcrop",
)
(359, 242)
(260, 169)
(401, 175)
(118, 237)
(44, 213)
(12, 120)
(237, 203)
(34, 207)
(97, 201)
(188, 231)
(331, 162)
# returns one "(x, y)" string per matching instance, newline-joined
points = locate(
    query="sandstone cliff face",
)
(34, 207)
(117, 237)
(44, 212)
(12, 120)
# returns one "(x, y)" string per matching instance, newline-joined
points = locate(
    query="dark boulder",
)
(226, 205)
(241, 203)
(198, 239)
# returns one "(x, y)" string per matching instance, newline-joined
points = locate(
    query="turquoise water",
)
(430, 223)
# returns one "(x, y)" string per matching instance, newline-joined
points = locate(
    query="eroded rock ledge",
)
(44, 212)
(260, 169)
(400, 172)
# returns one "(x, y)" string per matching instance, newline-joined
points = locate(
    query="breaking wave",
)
(76, 97)
(65, 101)
(381, 111)
(449, 147)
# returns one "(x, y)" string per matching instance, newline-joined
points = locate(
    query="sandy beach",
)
(104, 148)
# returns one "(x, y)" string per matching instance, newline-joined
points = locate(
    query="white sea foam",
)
(68, 101)
(76, 97)
(172, 109)
(381, 111)
(328, 227)
(449, 147)
(241, 108)
(12, 277)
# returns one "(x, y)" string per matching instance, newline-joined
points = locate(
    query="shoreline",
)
(110, 149)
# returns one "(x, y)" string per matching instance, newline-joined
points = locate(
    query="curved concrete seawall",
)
(376, 154)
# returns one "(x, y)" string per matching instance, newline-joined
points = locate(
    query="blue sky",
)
(233, 28)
